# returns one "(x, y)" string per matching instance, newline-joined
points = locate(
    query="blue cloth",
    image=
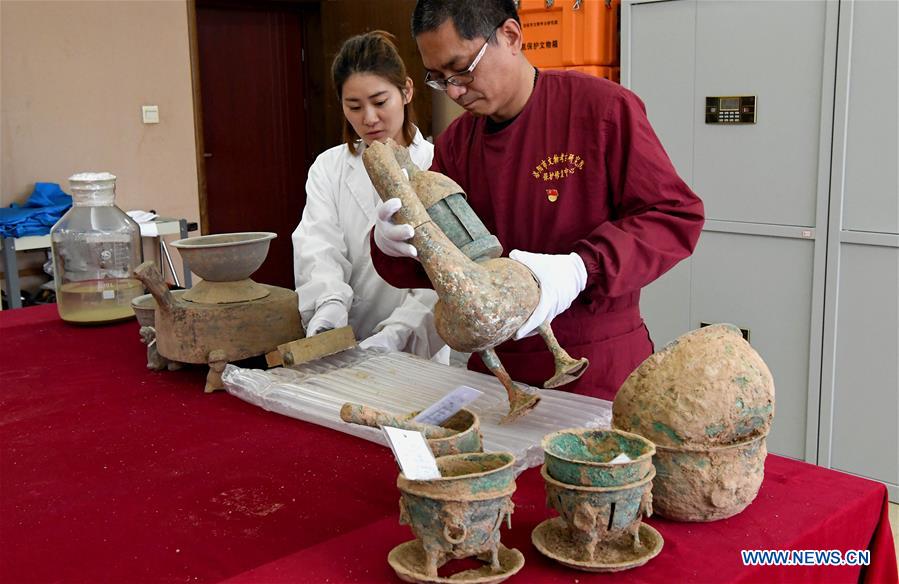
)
(39, 213)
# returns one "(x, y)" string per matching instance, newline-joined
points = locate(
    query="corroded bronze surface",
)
(459, 514)
(368, 416)
(459, 434)
(409, 561)
(469, 477)
(708, 484)
(467, 438)
(597, 515)
(707, 401)
(553, 539)
(187, 332)
(582, 456)
(481, 304)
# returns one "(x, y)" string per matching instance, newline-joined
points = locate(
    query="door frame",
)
(199, 149)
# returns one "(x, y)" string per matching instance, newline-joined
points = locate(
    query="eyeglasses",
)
(460, 79)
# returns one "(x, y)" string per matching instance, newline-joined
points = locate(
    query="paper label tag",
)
(621, 459)
(448, 405)
(412, 454)
(108, 294)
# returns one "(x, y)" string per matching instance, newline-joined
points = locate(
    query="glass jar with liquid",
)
(96, 247)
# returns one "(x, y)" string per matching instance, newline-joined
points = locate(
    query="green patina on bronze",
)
(485, 474)
(464, 228)
(595, 515)
(752, 420)
(681, 475)
(714, 430)
(583, 457)
(481, 303)
(459, 514)
(707, 402)
(467, 439)
(668, 431)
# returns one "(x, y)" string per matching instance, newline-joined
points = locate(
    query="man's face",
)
(444, 54)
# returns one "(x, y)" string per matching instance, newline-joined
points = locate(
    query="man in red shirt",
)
(566, 171)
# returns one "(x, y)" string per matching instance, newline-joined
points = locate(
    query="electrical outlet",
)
(150, 114)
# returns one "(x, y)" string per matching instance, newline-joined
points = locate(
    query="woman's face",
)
(374, 107)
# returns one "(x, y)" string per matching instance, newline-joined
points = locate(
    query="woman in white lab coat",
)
(335, 279)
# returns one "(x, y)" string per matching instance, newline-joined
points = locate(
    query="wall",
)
(342, 19)
(444, 111)
(73, 77)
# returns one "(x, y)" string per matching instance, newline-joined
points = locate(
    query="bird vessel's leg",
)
(568, 368)
(520, 401)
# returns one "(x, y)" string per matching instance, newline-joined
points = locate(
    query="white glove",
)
(390, 238)
(391, 338)
(330, 315)
(561, 276)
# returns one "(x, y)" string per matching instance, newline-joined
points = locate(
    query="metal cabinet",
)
(763, 172)
(860, 432)
(665, 79)
(859, 427)
(763, 284)
(800, 244)
(871, 113)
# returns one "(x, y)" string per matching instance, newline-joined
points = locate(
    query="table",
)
(113, 473)
(155, 229)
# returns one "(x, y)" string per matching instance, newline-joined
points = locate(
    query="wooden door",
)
(251, 75)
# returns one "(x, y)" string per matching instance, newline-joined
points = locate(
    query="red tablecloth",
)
(112, 473)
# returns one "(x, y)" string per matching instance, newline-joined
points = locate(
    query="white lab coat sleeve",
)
(320, 265)
(414, 318)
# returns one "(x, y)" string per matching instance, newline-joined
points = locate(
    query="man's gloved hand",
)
(330, 315)
(391, 337)
(390, 238)
(561, 276)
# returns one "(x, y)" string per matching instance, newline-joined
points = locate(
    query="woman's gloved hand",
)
(330, 315)
(561, 276)
(392, 239)
(391, 338)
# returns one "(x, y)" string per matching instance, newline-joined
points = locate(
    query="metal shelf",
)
(154, 229)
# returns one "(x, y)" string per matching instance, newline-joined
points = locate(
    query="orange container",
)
(542, 31)
(593, 30)
(570, 32)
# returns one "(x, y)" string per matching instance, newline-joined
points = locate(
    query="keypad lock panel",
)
(732, 109)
